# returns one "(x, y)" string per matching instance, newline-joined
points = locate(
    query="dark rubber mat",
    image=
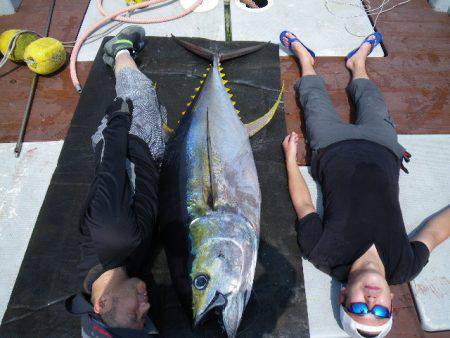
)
(48, 273)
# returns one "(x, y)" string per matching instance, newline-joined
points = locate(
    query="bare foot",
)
(299, 50)
(358, 60)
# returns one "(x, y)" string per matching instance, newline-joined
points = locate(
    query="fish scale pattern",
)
(149, 115)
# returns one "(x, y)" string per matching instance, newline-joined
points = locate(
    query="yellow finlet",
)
(183, 113)
(227, 89)
(189, 103)
(201, 81)
(230, 95)
(208, 69)
(233, 102)
(224, 81)
(222, 75)
(167, 129)
(237, 111)
(220, 68)
(204, 75)
(197, 89)
(192, 97)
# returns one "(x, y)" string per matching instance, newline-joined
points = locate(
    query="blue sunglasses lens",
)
(380, 311)
(359, 308)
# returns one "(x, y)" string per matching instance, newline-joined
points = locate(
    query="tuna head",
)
(222, 271)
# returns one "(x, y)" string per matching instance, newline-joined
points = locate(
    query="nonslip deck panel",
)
(23, 185)
(326, 27)
(48, 273)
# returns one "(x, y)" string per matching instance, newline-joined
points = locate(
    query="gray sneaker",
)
(130, 38)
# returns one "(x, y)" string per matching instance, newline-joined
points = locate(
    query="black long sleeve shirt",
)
(118, 220)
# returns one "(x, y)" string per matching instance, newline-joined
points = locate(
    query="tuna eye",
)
(201, 282)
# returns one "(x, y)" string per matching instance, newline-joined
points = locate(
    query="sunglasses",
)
(362, 309)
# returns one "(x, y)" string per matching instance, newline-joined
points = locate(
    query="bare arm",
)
(300, 195)
(436, 230)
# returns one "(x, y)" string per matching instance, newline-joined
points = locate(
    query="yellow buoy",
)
(133, 2)
(22, 42)
(45, 56)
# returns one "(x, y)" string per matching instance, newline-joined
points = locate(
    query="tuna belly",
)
(234, 180)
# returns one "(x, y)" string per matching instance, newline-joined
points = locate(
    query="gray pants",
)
(325, 127)
(147, 120)
(148, 114)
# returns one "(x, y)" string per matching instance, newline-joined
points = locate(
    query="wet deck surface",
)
(55, 99)
(414, 78)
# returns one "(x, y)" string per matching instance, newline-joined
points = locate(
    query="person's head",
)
(123, 305)
(371, 288)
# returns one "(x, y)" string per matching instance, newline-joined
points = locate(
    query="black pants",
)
(122, 204)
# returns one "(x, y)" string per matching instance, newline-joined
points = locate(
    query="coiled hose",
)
(118, 16)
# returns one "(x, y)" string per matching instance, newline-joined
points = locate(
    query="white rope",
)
(367, 9)
(12, 45)
(97, 36)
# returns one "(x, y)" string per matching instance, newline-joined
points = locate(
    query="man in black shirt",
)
(121, 209)
(361, 239)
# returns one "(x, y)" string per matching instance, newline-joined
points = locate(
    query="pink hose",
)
(117, 16)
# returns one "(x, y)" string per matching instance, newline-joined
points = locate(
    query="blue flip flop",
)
(373, 43)
(294, 39)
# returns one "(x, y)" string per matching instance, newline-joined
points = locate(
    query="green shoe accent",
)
(130, 43)
(130, 38)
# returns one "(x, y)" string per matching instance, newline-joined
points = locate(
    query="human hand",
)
(290, 144)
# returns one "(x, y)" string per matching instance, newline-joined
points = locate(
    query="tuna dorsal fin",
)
(212, 183)
(260, 123)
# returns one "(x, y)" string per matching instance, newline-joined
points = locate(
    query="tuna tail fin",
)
(234, 53)
(209, 54)
(260, 123)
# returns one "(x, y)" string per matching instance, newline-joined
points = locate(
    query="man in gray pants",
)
(361, 238)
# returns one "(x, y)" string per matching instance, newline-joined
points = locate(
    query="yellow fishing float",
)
(133, 2)
(23, 40)
(45, 55)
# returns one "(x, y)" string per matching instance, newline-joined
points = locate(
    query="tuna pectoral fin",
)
(260, 123)
(209, 54)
